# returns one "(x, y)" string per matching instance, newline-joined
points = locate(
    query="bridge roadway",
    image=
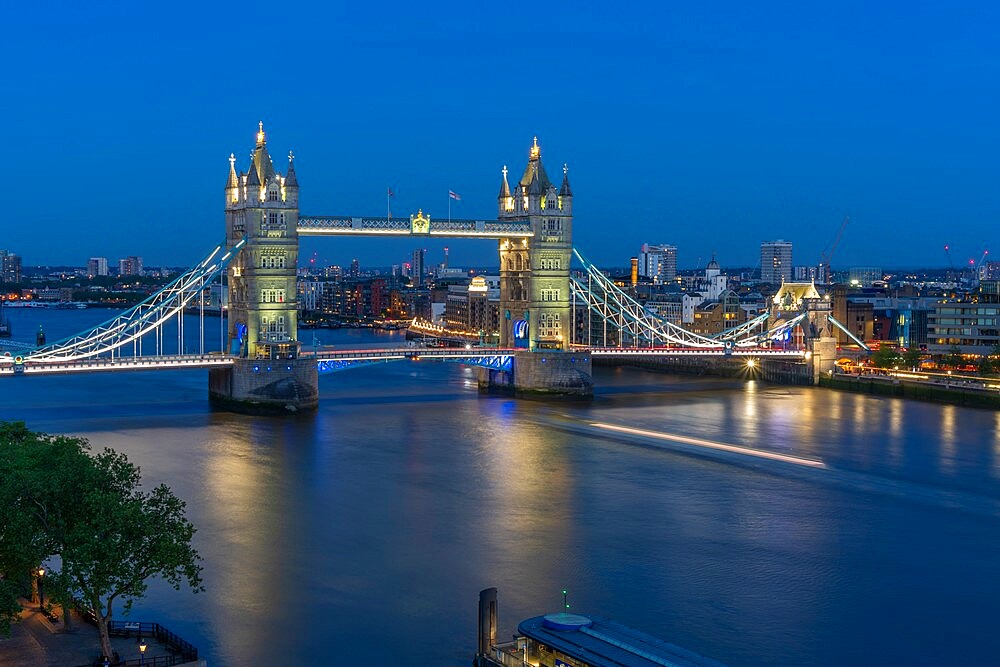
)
(488, 357)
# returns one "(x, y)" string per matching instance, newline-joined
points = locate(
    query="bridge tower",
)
(815, 332)
(535, 297)
(263, 206)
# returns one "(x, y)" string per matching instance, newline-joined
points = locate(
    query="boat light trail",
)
(709, 444)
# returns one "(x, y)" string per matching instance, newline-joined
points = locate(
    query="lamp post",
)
(142, 652)
(41, 591)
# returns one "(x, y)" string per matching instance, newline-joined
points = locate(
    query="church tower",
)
(534, 273)
(263, 206)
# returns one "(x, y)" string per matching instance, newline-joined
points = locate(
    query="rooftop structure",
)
(575, 640)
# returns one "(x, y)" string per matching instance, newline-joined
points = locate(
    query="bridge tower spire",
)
(263, 206)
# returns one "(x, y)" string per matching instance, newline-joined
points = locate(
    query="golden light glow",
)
(535, 152)
(261, 137)
(751, 363)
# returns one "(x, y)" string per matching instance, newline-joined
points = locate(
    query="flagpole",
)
(449, 207)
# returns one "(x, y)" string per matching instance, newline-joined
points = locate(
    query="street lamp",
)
(142, 652)
(41, 592)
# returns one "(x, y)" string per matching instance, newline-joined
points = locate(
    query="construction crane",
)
(947, 253)
(981, 265)
(826, 257)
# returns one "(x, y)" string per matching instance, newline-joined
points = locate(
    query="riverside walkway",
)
(36, 641)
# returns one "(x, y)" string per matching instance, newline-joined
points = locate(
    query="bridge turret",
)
(565, 193)
(505, 202)
(534, 195)
(291, 182)
(232, 184)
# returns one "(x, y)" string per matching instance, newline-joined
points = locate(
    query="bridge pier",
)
(547, 374)
(265, 386)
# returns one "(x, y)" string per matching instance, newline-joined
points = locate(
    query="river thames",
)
(363, 533)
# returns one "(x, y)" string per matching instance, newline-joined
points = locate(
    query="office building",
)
(10, 267)
(776, 262)
(658, 262)
(97, 266)
(417, 270)
(130, 266)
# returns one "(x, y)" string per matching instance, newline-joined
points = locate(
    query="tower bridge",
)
(263, 365)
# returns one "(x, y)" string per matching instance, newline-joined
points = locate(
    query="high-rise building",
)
(658, 262)
(10, 267)
(97, 266)
(130, 266)
(776, 261)
(417, 266)
(355, 268)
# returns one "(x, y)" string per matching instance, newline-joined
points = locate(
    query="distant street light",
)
(142, 652)
(41, 591)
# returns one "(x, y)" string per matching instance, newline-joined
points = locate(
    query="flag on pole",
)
(390, 193)
(454, 195)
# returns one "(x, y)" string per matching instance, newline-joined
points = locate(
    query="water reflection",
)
(368, 529)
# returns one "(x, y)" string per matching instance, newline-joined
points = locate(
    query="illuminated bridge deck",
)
(740, 352)
(107, 364)
(338, 359)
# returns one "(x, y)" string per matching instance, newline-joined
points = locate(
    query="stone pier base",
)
(542, 374)
(265, 386)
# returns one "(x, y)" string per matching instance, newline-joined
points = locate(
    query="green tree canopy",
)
(886, 357)
(110, 534)
(912, 357)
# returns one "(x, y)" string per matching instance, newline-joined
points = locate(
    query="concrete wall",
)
(262, 386)
(549, 374)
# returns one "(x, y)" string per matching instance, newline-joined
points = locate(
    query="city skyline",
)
(684, 128)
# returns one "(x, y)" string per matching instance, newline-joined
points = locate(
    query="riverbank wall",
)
(957, 392)
(769, 370)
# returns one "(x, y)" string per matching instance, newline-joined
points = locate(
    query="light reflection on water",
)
(368, 529)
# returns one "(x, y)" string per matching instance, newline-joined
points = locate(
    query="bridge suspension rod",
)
(144, 318)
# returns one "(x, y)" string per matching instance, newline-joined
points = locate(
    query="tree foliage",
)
(110, 535)
(912, 357)
(886, 357)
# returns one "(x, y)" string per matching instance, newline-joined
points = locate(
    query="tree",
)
(110, 535)
(121, 536)
(885, 357)
(986, 365)
(37, 475)
(912, 357)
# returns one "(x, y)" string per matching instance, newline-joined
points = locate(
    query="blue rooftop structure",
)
(576, 640)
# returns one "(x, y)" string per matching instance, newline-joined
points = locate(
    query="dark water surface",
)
(362, 534)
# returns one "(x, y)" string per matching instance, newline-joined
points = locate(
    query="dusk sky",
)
(710, 126)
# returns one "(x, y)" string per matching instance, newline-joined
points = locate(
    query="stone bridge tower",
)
(534, 273)
(263, 206)
(535, 297)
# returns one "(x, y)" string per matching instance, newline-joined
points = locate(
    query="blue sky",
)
(711, 126)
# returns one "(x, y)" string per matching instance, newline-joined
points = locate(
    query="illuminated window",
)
(550, 295)
(548, 326)
(272, 296)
